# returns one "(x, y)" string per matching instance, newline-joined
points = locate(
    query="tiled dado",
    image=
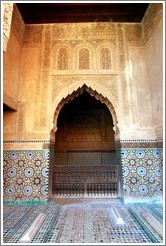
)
(142, 174)
(25, 175)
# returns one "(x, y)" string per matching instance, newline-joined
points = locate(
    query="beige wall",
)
(11, 75)
(153, 58)
(133, 84)
(146, 77)
(11, 82)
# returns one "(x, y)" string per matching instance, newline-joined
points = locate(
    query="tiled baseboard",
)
(27, 203)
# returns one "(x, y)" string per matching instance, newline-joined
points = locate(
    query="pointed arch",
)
(76, 93)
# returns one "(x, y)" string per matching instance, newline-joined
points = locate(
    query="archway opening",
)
(85, 156)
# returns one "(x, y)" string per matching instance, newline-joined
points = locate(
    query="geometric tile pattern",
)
(142, 172)
(25, 174)
(81, 221)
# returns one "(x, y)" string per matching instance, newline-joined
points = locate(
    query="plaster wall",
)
(141, 87)
(29, 78)
(11, 72)
(153, 59)
(11, 83)
(12, 59)
(147, 79)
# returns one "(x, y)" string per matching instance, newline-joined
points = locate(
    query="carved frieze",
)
(33, 33)
(133, 32)
(84, 31)
(138, 33)
(152, 16)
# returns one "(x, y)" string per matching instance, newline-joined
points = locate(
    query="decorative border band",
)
(35, 141)
(140, 140)
(26, 202)
(139, 144)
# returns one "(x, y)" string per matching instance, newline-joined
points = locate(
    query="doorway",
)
(85, 156)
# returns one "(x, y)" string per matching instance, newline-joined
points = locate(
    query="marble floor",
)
(85, 220)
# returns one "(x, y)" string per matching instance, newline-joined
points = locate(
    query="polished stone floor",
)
(84, 220)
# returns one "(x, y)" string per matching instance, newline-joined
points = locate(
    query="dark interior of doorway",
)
(85, 157)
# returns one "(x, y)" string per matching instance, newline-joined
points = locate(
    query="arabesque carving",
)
(84, 31)
(84, 61)
(105, 57)
(62, 59)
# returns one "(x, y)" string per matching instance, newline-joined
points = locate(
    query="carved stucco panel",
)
(18, 25)
(7, 18)
(151, 18)
(46, 85)
(56, 47)
(105, 81)
(77, 58)
(112, 46)
(73, 48)
(133, 32)
(138, 33)
(33, 33)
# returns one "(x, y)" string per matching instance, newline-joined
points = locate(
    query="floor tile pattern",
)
(82, 220)
(156, 211)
